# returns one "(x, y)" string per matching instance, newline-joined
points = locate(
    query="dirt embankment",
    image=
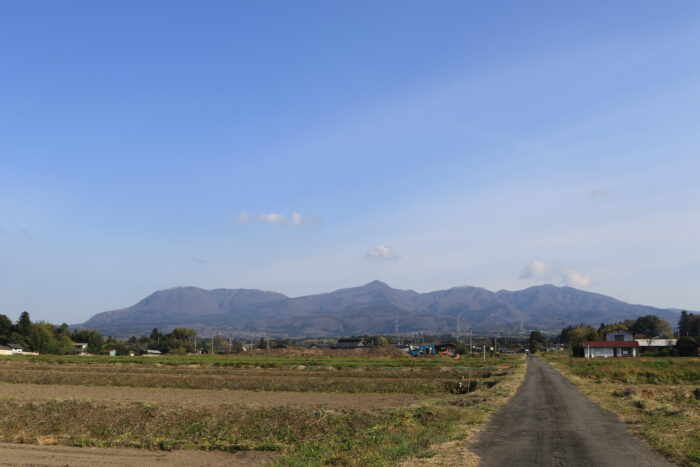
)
(27, 454)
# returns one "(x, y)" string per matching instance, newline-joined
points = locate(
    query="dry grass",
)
(481, 404)
(303, 435)
(655, 398)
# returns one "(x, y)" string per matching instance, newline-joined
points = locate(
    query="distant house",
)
(5, 350)
(110, 352)
(350, 343)
(152, 353)
(81, 347)
(316, 345)
(655, 344)
(617, 343)
(16, 348)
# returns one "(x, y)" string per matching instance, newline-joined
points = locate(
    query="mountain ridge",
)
(372, 308)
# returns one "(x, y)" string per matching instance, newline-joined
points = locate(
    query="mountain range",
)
(374, 308)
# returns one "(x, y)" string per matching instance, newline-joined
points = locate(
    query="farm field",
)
(657, 398)
(293, 410)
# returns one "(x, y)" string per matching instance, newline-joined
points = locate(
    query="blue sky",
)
(307, 146)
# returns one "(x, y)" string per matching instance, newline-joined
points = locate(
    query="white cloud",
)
(243, 218)
(540, 271)
(535, 270)
(295, 220)
(381, 253)
(272, 218)
(575, 278)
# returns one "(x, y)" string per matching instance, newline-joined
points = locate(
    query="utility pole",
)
(396, 329)
(470, 342)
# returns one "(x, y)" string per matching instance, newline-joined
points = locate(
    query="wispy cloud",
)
(197, 260)
(599, 193)
(540, 271)
(294, 220)
(381, 253)
(24, 234)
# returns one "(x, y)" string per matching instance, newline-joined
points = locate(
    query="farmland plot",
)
(303, 410)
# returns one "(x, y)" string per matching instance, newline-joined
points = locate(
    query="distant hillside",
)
(374, 308)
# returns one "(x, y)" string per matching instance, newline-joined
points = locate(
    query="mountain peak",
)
(376, 284)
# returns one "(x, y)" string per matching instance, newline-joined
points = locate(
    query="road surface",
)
(550, 423)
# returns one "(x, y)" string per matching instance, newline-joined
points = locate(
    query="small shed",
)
(655, 344)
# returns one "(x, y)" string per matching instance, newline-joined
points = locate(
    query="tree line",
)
(46, 338)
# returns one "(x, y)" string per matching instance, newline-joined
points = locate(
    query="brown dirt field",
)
(375, 352)
(203, 397)
(26, 454)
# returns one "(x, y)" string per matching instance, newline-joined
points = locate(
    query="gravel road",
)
(550, 423)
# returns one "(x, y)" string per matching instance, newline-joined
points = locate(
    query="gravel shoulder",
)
(550, 423)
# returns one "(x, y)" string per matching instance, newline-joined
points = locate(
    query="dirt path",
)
(550, 423)
(203, 397)
(27, 454)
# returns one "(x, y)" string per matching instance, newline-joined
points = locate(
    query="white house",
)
(617, 343)
(5, 350)
(16, 349)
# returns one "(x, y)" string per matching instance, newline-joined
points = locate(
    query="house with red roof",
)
(617, 343)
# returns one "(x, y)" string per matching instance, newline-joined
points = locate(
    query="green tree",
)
(382, 341)
(220, 345)
(573, 336)
(24, 324)
(651, 326)
(236, 346)
(687, 346)
(537, 341)
(689, 325)
(6, 329)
